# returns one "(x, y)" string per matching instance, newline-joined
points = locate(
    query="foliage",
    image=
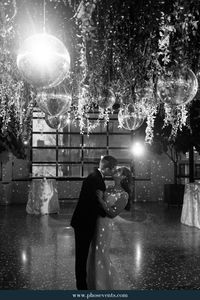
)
(127, 45)
(123, 46)
(187, 137)
(164, 143)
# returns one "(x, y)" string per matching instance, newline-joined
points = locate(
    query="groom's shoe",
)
(82, 286)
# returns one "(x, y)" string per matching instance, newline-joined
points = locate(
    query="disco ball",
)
(106, 99)
(130, 117)
(43, 61)
(57, 122)
(53, 104)
(177, 87)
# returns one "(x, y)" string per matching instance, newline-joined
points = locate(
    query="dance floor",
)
(150, 248)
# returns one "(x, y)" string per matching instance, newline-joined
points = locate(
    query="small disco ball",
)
(43, 61)
(57, 122)
(130, 118)
(177, 87)
(106, 99)
(53, 104)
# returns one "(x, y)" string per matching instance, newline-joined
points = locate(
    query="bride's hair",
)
(127, 182)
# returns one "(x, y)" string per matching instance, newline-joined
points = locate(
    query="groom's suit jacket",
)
(88, 209)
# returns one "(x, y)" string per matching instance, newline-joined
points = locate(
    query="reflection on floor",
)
(156, 251)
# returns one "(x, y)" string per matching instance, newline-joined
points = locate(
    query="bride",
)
(101, 274)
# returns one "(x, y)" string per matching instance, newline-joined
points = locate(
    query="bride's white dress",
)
(101, 271)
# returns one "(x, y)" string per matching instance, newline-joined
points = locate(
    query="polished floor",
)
(150, 248)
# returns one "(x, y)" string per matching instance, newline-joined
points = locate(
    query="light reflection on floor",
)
(150, 248)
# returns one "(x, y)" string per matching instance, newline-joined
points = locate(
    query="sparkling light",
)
(43, 60)
(137, 149)
(24, 256)
(138, 255)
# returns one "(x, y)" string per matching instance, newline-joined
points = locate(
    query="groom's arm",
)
(90, 186)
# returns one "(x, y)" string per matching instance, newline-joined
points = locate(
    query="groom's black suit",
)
(84, 223)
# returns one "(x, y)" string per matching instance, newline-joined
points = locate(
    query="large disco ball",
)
(106, 99)
(53, 104)
(177, 87)
(57, 122)
(130, 117)
(43, 60)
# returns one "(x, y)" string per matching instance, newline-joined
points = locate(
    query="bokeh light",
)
(137, 149)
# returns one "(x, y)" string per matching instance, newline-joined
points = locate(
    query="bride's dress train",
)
(102, 274)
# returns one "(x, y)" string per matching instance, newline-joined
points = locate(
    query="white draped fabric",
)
(191, 205)
(43, 197)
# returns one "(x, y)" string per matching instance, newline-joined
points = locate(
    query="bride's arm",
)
(112, 210)
(103, 203)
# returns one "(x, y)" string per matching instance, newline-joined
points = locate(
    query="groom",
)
(85, 216)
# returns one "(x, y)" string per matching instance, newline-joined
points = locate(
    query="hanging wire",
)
(44, 12)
